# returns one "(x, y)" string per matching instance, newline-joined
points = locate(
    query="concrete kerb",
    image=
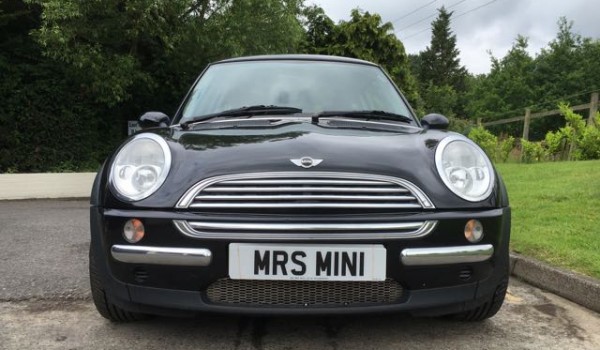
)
(580, 289)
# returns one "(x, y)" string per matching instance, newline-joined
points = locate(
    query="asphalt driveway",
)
(45, 303)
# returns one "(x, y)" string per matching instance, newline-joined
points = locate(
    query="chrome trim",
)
(420, 196)
(306, 182)
(306, 162)
(161, 255)
(258, 226)
(356, 231)
(446, 255)
(309, 198)
(303, 205)
(305, 189)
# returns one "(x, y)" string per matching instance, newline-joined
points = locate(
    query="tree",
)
(366, 37)
(440, 74)
(508, 87)
(45, 124)
(68, 89)
(320, 30)
(566, 70)
(440, 63)
(119, 47)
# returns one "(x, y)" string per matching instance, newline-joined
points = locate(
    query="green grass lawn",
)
(556, 212)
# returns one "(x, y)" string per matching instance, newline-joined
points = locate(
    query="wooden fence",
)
(526, 119)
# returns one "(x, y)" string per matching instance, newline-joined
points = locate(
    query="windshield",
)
(313, 86)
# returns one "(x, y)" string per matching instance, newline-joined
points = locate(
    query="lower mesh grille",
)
(303, 293)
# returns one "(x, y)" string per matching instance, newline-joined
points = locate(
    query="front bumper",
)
(430, 269)
(202, 257)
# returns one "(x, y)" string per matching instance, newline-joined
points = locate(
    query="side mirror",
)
(435, 121)
(154, 120)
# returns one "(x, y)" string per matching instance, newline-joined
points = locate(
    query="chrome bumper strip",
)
(161, 255)
(301, 226)
(298, 231)
(446, 255)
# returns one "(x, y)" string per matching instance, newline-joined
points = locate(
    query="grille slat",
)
(304, 182)
(337, 205)
(304, 226)
(302, 197)
(298, 231)
(303, 293)
(282, 189)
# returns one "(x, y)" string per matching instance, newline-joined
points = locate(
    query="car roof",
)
(298, 58)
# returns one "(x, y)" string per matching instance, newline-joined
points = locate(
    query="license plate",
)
(336, 262)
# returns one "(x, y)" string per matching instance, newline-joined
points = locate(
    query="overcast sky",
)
(480, 25)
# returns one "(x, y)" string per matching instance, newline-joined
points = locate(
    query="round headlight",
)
(140, 167)
(464, 168)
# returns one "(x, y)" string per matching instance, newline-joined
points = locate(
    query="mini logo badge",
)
(306, 162)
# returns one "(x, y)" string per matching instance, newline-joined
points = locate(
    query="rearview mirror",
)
(154, 120)
(435, 121)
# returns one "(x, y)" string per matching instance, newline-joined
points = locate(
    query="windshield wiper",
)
(243, 111)
(368, 115)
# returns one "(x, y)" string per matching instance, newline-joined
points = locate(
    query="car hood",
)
(199, 154)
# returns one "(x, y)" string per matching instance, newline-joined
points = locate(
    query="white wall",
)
(49, 185)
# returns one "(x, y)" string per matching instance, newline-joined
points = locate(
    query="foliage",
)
(118, 46)
(504, 148)
(364, 36)
(320, 30)
(45, 120)
(574, 141)
(555, 143)
(68, 89)
(485, 139)
(440, 64)
(440, 99)
(506, 88)
(460, 125)
(589, 143)
(532, 151)
(497, 149)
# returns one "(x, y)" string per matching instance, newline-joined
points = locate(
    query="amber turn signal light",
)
(473, 231)
(133, 231)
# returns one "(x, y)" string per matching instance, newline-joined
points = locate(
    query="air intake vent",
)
(140, 275)
(465, 274)
(303, 293)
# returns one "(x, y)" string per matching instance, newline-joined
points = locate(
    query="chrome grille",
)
(305, 190)
(304, 206)
(303, 293)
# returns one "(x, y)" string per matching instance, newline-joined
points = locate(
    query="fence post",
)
(526, 124)
(593, 108)
(479, 122)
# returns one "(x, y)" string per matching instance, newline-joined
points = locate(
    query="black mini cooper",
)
(298, 185)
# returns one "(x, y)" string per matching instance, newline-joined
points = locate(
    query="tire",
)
(489, 308)
(107, 309)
